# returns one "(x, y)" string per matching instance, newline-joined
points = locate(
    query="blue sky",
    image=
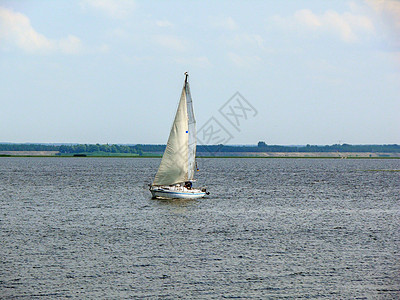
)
(86, 71)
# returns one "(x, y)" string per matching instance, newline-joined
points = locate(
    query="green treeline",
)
(97, 148)
(72, 149)
(140, 149)
(28, 147)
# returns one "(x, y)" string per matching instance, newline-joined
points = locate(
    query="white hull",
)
(176, 192)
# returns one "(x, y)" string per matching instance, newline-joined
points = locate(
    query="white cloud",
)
(389, 12)
(117, 9)
(306, 17)
(16, 31)
(171, 42)
(223, 22)
(348, 26)
(390, 8)
(15, 28)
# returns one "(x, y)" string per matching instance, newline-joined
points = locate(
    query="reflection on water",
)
(177, 206)
(271, 228)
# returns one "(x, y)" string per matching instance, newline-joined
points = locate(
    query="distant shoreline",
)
(288, 155)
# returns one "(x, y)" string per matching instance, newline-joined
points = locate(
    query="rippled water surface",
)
(271, 228)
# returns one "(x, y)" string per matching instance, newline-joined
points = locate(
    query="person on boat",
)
(188, 185)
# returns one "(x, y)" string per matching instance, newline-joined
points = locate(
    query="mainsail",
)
(178, 162)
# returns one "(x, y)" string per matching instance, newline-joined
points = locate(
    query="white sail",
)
(174, 163)
(192, 133)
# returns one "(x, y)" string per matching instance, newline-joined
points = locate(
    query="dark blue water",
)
(271, 228)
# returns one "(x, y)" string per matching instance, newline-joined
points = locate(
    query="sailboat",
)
(175, 174)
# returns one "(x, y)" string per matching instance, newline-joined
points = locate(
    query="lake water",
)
(272, 228)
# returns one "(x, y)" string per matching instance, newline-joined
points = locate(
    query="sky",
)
(284, 72)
